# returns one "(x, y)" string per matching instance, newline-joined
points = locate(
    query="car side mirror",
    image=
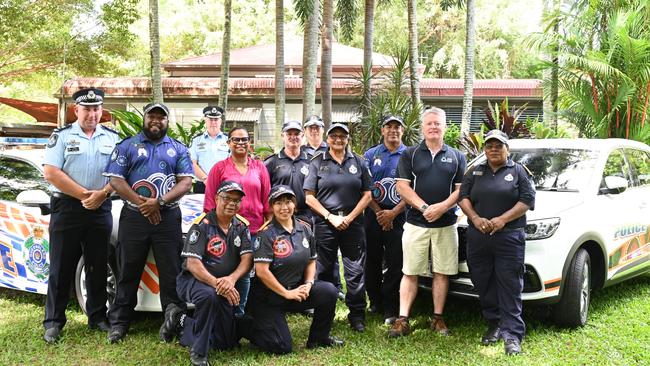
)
(614, 185)
(35, 198)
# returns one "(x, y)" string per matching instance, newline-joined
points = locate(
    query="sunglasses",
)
(240, 140)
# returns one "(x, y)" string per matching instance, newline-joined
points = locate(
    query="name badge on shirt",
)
(445, 159)
(73, 149)
(477, 172)
(508, 178)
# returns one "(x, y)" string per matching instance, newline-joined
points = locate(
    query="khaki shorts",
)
(418, 242)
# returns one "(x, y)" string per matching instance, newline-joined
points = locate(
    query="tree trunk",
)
(225, 55)
(550, 75)
(310, 61)
(468, 94)
(154, 42)
(279, 63)
(413, 51)
(367, 54)
(326, 61)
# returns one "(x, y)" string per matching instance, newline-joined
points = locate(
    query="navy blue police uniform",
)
(151, 170)
(213, 322)
(284, 170)
(74, 230)
(339, 187)
(384, 247)
(311, 152)
(288, 254)
(496, 262)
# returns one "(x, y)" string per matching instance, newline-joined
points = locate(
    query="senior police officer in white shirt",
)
(210, 147)
(81, 219)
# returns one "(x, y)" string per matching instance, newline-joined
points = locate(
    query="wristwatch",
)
(310, 282)
(161, 202)
(424, 207)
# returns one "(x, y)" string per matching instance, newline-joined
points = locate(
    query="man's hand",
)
(497, 224)
(150, 209)
(340, 223)
(224, 284)
(434, 212)
(231, 295)
(93, 199)
(482, 224)
(385, 219)
(297, 294)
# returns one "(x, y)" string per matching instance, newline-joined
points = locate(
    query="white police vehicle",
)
(24, 219)
(591, 224)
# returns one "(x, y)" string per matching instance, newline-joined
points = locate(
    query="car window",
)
(617, 166)
(640, 164)
(17, 176)
(557, 169)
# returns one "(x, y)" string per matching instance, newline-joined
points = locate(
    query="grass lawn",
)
(618, 333)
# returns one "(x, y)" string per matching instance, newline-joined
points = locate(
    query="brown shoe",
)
(400, 328)
(438, 325)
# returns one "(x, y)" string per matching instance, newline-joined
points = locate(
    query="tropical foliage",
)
(130, 123)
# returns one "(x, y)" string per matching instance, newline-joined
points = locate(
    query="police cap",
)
(89, 96)
(151, 106)
(314, 120)
(279, 191)
(213, 112)
(230, 186)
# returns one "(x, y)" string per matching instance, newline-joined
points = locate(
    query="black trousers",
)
(352, 244)
(496, 267)
(308, 216)
(384, 247)
(135, 236)
(270, 330)
(76, 231)
(199, 187)
(213, 322)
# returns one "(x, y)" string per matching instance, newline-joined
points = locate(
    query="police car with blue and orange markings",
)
(24, 219)
(591, 224)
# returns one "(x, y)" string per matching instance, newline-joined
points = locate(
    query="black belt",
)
(162, 209)
(63, 196)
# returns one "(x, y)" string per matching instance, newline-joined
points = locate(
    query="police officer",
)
(81, 220)
(338, 190)
(209, 147)
(285, 266)
(314, 128)
(151, 172)
(217, 253)
(495, 196)
(384, 221)
(428, 178)
(290, 167)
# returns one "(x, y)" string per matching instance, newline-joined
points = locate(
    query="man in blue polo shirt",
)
(210, 147)
(151, 172)
(428, 179)
(384, 221)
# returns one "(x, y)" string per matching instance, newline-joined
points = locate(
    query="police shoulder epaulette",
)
(527, 170)
(62, 128)
(199, 218)
(264, 226)
(110, 129)
(242, 219)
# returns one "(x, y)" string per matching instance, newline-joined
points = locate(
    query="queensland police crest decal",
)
(194, 237)
(36, 254)
(53, 139)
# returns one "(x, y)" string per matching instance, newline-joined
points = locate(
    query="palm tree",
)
(309, 13)
(279, 62)
(326, 61)
(468, 93)
(369, 26)
(413, 51)
(225, 55)
(154, 40)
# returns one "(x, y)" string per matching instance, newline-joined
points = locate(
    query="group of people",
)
(272, 231)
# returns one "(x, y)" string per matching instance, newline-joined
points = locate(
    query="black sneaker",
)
(116, 334)
(491, 335)
(330, 341)
(101, 326)
(52, 335)
(198, 360)
(512, 347)
(171, 325)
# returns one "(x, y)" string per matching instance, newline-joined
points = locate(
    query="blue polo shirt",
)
(290, 172)
(207, 151)
(81, 158)
(311, 151)
(433, 179)
(338, 187)
(493, 193)
(383, 168)
(150, 168)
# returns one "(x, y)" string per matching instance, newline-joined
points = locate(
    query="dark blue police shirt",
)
(383, 168)
(150, 168)
(493, 193)
(288, 253)
(220, 252)
(338, 187)
(311, 152)
(432, 178)
(284, 170)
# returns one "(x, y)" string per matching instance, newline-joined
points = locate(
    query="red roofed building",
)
(193, 83)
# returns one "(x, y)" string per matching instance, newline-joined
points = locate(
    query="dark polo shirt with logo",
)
(284, 170)
(433, 179)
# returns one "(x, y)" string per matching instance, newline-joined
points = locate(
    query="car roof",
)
(33, 153)
(584, 144)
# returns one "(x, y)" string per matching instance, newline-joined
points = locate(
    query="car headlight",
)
(541, 229)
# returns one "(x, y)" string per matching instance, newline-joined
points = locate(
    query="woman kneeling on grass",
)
(285, 266)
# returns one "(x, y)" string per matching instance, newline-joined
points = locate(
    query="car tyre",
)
(80, 284)
(573, 308)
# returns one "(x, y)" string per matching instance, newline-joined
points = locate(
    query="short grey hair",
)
(436, 111)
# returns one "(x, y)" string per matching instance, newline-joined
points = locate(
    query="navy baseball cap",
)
(496, 135)
(213, 112)
(88, 96)
(151, 106)
(280, 190)
(389, 118)
(230, 186)
(292, 125)
(314, 120)
(338, 125)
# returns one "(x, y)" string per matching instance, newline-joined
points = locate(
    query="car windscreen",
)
(566, 170)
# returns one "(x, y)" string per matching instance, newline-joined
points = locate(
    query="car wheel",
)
(573, 308)
(80, 284)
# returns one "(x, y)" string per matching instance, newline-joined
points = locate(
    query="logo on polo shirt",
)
(508, 178)
(304, 170)
(282, 248)
(171, 152)
(217, 246)
(377, 162)
(142, 152)
(446, 159)
(353, 169)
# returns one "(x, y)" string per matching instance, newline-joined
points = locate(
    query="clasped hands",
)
(150, 209)
(488, 226)
(225, 286)
(300, 293)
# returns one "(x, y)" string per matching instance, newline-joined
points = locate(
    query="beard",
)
(154, 136)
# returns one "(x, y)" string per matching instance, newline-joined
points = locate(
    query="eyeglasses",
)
(240, 140)
(493, 146)
(338, 137)
(227, 199)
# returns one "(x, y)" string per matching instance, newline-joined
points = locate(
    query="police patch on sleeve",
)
(305, 242)
(115, 154)
(256, 245)
(53, 140)
(237, 241)
(194, 236)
